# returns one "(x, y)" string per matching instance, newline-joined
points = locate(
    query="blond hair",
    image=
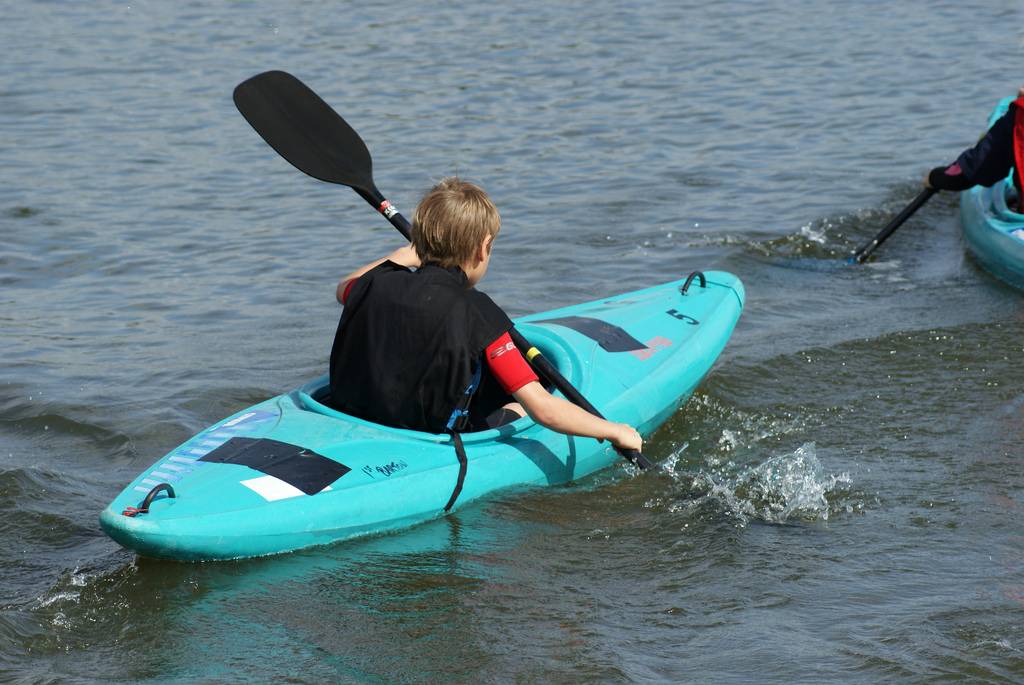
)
(451, 221)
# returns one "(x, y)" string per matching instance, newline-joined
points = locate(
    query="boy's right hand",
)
(627, 438)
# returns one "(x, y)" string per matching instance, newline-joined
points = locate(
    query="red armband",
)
(508, 365)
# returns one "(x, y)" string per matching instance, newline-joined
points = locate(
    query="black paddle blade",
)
(304, 129)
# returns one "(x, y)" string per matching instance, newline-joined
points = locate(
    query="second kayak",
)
(994, 233)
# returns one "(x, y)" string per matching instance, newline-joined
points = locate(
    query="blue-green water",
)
(840, 502)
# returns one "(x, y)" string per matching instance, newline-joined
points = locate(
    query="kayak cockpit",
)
(312, 396)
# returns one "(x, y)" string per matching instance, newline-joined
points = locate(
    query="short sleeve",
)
(363, 281)
(347, 290)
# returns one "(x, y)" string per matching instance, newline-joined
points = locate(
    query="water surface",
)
(839, 502)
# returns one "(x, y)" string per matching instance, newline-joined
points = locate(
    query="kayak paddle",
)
(860, 255)
(310, 135)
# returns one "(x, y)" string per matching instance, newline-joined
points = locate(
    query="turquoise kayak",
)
(991, 227)
(290, 472)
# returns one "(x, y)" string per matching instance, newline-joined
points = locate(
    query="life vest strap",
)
(458, 422)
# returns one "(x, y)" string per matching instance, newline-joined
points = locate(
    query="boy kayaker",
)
(419, 347)
(988, 162)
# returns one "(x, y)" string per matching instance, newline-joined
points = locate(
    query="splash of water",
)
(784, 488)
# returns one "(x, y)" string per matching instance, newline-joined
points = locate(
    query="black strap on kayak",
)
(457, 423)
(460, 452)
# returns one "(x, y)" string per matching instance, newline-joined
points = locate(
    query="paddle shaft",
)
(541, 365)
(860, 255)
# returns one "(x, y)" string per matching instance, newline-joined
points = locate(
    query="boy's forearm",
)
(563, 416)
(578, 421)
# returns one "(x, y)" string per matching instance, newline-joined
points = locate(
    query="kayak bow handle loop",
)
(143, 507)
(689, 280)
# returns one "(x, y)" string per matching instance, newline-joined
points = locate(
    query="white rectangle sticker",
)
(273, 489)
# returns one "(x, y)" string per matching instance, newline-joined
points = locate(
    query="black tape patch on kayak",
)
(299, 467)
(609, 336)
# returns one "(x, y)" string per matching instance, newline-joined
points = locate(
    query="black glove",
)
(940, 180)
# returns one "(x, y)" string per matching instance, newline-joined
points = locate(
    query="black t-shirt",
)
(408, 343)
